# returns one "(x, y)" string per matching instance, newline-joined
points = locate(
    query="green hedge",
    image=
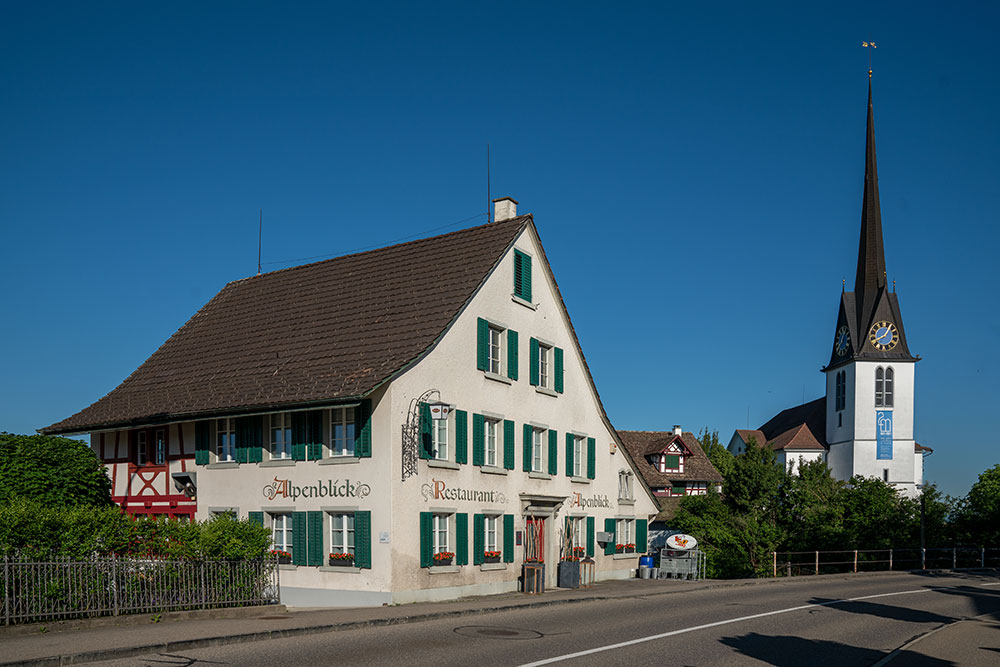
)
(34, 531)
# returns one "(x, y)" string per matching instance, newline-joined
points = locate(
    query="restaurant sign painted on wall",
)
(438, 490)
(330, 488)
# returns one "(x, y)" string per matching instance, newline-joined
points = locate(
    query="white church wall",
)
(840, 428)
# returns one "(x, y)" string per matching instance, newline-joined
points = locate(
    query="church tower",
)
(869, 380)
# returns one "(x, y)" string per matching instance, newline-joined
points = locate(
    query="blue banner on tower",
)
(883, 435)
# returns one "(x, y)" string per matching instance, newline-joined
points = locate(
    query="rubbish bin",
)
(645, 561)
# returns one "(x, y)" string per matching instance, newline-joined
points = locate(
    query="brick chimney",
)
(504, 208)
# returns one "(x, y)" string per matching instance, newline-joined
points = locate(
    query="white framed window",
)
(439, 533)
(624, 485)
(225, 440)
(492, 428)
(491, 527)
(280, 436)
(625, 531)
(579, 451)
(281, 531)
(671, 462)
(697, 488)
(342, 432)
(439, 438)
(342, 533)
(141, 448)
(538, 447)
(495, 360)
(888, 386)
(544, 366)
(578, 532)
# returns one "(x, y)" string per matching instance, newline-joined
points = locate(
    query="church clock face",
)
(842, 341)
(883, 335)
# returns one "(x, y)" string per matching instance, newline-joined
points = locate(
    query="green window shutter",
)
(256, 447)
(300, 435)
(678, 488)
(591, 458)
(590, 536)
(508, 538)
(202, 442)
(557, 380)
(426, 445)
(609, 527)
(511, 354)
(461, 436)
(363, 431)
(673, 461)
(533, 362)
(315, 538)
(242, 436)
(508, 444)
(478, 538)
(569, 454)
(462, 539)
(553, 452)
(256, 518)
(299, 538)
(478, 440)
(482, 344)
(363, 540)
(528, 432)
(641, 539)
(426, 545)
(314, 449)
(522, 275)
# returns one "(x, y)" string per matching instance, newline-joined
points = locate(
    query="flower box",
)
(491, 556)
(341, 560)
(284, 557)
(442, 558)
(619, 548)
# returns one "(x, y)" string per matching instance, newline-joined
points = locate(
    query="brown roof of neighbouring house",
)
(798, 437)
(306, 335)
(697, 466)
(917, 447)
(748, 434)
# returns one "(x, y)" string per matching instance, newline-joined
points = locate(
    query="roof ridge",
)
(521, 219)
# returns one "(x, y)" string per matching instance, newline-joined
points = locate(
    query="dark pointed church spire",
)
(871, 277)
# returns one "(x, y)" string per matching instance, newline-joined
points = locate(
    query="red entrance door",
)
(534, 540)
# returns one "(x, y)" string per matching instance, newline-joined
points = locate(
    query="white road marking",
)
(993, 584)
(641, 640)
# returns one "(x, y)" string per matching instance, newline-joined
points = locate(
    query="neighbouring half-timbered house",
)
(412, 423)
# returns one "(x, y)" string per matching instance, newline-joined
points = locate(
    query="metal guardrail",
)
(55, 589)
(796, 563)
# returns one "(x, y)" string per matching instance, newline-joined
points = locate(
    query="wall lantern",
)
(439, 410)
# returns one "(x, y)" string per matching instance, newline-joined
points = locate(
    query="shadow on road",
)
(885, 611)
(786, 651)
(984, 600)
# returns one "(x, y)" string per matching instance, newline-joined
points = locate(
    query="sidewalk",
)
(185, 630)
(110, 638)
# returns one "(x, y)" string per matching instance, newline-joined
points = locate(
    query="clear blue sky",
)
(695, 175)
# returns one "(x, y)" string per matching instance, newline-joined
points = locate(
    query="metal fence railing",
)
(55, 589)
(795, 563)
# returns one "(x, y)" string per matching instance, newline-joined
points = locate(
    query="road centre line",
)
(641, 640)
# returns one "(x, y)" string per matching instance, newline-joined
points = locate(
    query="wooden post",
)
(817, 562)
(982, 556)
(855, 561)
(890, 560)
(954, 559)
(774, 564)
(923, 559)
(114, 579)
(7, 585)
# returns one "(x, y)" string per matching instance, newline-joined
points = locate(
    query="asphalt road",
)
(838, 622)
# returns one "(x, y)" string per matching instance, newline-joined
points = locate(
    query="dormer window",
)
(671, 463)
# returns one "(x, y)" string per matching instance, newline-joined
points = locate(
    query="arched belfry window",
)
(879, 387)
(888, 387)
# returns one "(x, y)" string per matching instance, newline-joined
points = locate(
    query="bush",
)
(36, 531)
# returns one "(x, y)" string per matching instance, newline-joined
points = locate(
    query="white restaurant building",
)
(301, 399)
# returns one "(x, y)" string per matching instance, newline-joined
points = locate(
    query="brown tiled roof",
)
(311, 334)
(798, 437)
(668, 507)
(697, 467)
(748, 434)
(917, 447)
(812, 414)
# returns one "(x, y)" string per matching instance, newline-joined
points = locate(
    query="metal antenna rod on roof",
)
(260, 233)
(489, 201)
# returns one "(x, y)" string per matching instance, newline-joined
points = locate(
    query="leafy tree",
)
(812, 508)
(876, 516)
(716, 452)
(977, 516)
(710, 520)
(52, 470)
